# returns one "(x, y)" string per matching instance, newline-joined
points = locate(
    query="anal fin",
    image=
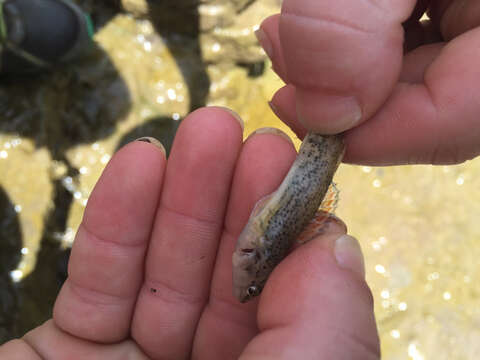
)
(315, 227)
(322, 216)
(330, 200)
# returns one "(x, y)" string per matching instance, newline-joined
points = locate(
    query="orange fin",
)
(330, 201)
(324, 213)
(315, 227)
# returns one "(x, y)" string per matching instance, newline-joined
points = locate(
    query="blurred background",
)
(154, 62)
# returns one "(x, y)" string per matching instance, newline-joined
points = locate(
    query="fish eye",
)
(252, 290)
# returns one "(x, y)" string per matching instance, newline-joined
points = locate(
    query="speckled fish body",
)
(279, 219)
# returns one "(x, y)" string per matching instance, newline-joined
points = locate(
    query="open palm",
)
(150, 269)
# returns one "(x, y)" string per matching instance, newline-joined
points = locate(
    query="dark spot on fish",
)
(153, 290)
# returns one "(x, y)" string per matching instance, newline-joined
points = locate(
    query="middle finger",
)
(185, 236)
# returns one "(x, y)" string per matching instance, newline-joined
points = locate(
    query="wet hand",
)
(348, 68)
(150, 273)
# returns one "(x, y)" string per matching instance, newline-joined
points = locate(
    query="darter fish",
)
(278, 219)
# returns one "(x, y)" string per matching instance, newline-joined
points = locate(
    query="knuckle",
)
(366, 16)
(329, 22)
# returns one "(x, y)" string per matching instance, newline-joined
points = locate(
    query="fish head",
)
(245, 284)
(247, 260)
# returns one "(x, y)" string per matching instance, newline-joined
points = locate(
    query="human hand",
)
(346, 68)
(150, 273)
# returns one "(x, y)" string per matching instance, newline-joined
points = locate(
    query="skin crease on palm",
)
(150, 270)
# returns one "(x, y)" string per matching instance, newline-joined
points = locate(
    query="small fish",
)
(278, 219)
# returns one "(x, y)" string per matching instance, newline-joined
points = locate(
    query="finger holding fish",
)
(315, 300)
(315, 297)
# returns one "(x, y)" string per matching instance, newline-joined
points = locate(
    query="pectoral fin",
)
(260, 204)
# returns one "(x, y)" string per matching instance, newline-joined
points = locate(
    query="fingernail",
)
(235, 115)
(348, 254)
(153, 141)
(264, 42)
(273, 131)
(328, 114)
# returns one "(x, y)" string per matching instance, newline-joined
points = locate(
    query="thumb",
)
(343, 57)
(316, 304)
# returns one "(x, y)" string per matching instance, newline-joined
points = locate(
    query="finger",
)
(416, 62)
(186, 233)
(226, 325)
(316, 304)
(383, 139)
(455, 17)
(284, 107)
(269, 38)
(343, 57)
(18, 349)
(434, 122)
(106, 264)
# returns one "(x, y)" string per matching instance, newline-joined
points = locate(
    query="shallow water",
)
(416, 224)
